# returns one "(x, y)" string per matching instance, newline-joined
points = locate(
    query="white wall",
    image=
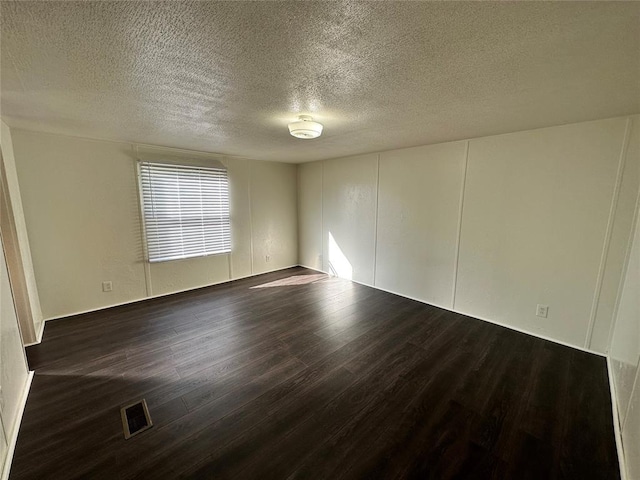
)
(13, 367)
(349, 203)
(537, 225)
(489, 227)
(625, 342)
(310, 214)
(621, 229)
(274, 212)
(625, 358)
(534, 222)
(82, 213)
(420, 190)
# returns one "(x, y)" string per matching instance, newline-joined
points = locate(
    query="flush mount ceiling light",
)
(305, 127)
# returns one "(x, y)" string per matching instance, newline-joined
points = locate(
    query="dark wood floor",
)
(310, 377)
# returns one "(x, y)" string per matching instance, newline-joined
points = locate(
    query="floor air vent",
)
(135, 418)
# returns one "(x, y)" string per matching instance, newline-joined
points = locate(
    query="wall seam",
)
(625, 268)
(634, 226)
(146, 266)
(469, 315)
(617, 427)
(250, 216)
(459, 234)
(161, 295)
(628, 409)
(608, 233)
(230, 194)
(299, 224)
(322, 215)
(375, 226)
(4, 434)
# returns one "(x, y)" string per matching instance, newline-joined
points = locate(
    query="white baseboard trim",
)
(612, 390)
(150, 297)
(616, 420)
(616, 425)
(11, 447)
(495, 322)
(528, 332)
(313, 268)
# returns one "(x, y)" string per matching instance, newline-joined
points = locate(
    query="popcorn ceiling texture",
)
(227, 77)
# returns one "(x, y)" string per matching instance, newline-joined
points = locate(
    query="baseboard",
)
(488, 320)
(612, 389)
(528, 332)
(151, 297)
(618, 437)
(11, 447)
(616, 420)
(313, 268)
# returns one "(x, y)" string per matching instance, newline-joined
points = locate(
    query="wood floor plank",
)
(293, 374)
(276, 458)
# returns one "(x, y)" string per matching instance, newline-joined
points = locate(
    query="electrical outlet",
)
(542, 311)
(267, 258)
(107, 286)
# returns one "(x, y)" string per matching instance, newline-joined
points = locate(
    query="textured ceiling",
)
(227, 77)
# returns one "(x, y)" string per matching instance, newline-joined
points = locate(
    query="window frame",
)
(191, 167)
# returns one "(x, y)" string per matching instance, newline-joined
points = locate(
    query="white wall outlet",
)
(107, 286)
(542, 311)
(267, 258)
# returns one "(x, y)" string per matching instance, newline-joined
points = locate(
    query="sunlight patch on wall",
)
(339, 265)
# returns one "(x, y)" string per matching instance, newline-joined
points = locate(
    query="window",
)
(186, 210)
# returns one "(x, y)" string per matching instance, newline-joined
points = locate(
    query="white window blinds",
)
(186, 211)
